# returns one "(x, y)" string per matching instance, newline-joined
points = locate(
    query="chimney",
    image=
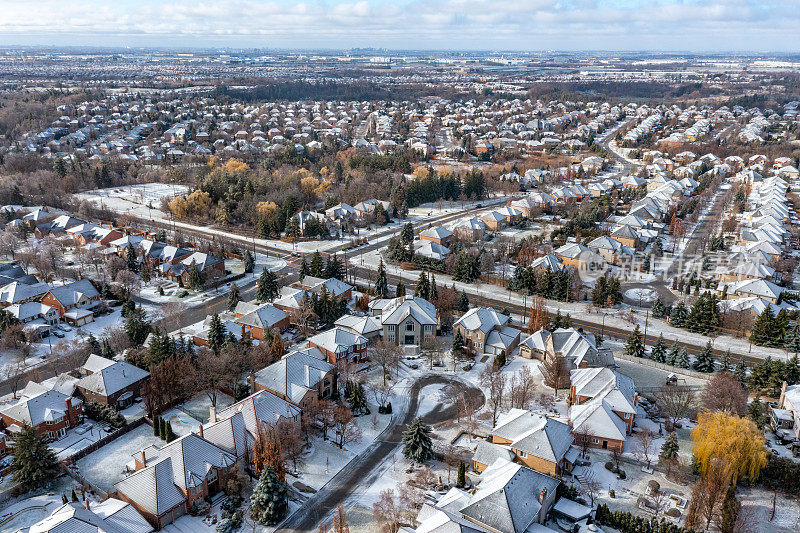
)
(252, 382)
(86, 502)
(144, 459)
(542, 495)
(212, 414)
(308, 376)
(201, 430)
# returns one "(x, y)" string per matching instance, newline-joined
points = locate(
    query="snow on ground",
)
(198, 406)
(641, 295)
(182, 423)
(26, 510)
(432, 397)
(582, 309)
(106, 466)
(79, 438)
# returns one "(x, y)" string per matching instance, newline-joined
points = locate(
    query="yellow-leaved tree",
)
(735, 440)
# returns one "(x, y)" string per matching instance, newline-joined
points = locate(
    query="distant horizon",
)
(676, 26)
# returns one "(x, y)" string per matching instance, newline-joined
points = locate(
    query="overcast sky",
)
(700, 25)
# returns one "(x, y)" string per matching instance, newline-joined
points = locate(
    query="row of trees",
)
(543, 282)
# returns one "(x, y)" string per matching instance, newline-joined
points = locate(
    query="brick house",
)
(437, 234)
(299, 377)
(50, 412)
(406, 320)
(79, 294)
(541, 443)
(340, 343)
(603, 407)
(485, 330)
(170, 480)
(114, 383)
(256, 320)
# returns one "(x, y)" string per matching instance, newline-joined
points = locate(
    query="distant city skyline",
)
(695, 26)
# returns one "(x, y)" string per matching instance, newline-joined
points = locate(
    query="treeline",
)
(300, 90)
(542, 282)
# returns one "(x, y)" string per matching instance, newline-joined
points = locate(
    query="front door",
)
(605, 444)
(409, 339)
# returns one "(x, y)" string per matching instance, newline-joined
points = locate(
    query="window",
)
(522, 454)
(410, 326)
(596, 441)
(391, 327)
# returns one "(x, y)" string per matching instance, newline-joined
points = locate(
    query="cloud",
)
(416, 24)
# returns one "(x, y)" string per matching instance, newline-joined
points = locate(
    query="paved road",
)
(593, 325)
(348, 480)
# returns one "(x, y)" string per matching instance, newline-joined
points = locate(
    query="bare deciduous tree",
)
(387, 355)
(129, 283)
(521, 388)
(675, 402)
(645, 441)
(386, 512)
(555, 371)
(344, 424)
(724, 392)
(495, 382)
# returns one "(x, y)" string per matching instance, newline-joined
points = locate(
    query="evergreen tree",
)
(169, 435)
(458, 342)
(461, 479)
(137, 326)
(107, 351)
(704, 316)
(658, 308)
(433, 290)
(381, 284)
(635, 347)
(683, 358)
(267, 286)
(234, 297)
(216, 333)
(130, 258)
(249, 262)
(741, 371)
(304, 270)
(670, 449)
(705, 359)
(357, 399)
(316, 265)
(659, 351)
(407, 233)
(34, 464)
(417, 445)
(400, 289)
(792, 340)
(156, 426)
(94, 344)
(334, 268)
(725, 362)
(463, 302)
(763, 327)
(678, 315)
(195, 277)
(268, 503)
(423, 287)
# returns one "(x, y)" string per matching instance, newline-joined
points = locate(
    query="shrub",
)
(609, 466)
(611, 493)
(103, 413)
(622, 474)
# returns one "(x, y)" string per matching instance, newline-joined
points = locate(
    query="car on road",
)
(57, 333)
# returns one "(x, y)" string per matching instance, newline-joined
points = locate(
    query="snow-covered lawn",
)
(106, 466)
(79, 437)
(198, 406)
(182, 423)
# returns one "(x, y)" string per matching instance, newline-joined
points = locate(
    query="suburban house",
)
(18, 292)
(50, 412)
(73, 300)
(340, 343)
(299, 377)
(169, 481)
(470, 230)
(603, 407)
(261, 407)
(437, 234)
(486, 330)
(335, 287)
(32, 311)
(578, 347)
(785, 418)
(541, 443)
(109, 516)
(406, 320)
(114, 383)
(509, 498)
(257, 320)
(367, 326)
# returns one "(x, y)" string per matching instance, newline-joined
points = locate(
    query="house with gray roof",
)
(510, 498)
(486, 330)
(578, 347)
(539, 442)
(169, 481)
(299, 377)
(108, 382)
(406, 320)
(50, 412)
(109, 516)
